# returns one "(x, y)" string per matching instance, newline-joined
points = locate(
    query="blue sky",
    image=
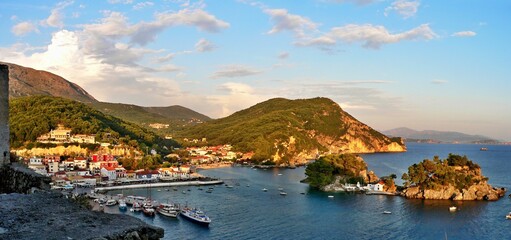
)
(441, 65)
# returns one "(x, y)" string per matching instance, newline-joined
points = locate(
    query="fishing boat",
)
(169, 210)
(147, 208)
(195, 215)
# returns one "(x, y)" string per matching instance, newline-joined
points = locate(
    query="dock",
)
(160, 184)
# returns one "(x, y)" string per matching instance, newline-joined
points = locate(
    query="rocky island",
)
(346, 172)
(455, 178)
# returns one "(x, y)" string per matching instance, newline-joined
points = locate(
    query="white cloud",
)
(24, 28)
(235, 71)
(141, 5)
(204, 45)
(369, 35)
(166, 58)
(464, 34)
(285, 21)
(404, 8)
(234, 96)
(56, 18)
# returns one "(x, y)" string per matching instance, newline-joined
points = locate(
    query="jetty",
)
(159, 184)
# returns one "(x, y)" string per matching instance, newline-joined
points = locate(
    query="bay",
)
(246, 212)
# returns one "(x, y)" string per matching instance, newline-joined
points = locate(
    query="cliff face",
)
(481, 191)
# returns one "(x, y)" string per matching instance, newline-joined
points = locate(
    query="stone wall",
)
(4, 114)
(16, 178)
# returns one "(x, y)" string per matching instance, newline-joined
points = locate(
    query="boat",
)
(508, 216)
(281, 189)
(184, 192)
(453, 209)
(111, 202)
(175, 189)
(484, 149)
(280, 174)
(130, 200)
(265, 190)
(283, 193)
(137, 207)
(248, 185)
(159, 190)
(387, 212)
(209, 191)
(169, 210)
(166, 189)
(122, 205)
(330, 196)
(147, 208)
(230, 186)
(195, 215)
(100, 200)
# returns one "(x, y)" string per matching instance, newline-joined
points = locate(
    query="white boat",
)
(111, 202)
(330, 196)
(137, 207)
(281, 189)
(387, 212)
(230, 186)
(283, 193)
(195, 215)
(280, 174)
(265, 190)
(453, 209)
(122, 205)
(508, 216)
(169, 210)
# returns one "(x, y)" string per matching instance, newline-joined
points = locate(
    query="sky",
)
(426, 65)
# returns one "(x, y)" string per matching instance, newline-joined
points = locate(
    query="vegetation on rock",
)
(323, 171)
(291, 131)
(30, 117)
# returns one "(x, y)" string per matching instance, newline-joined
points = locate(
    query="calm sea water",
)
(246, 212)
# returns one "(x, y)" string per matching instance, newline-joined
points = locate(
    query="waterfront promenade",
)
(159, 184)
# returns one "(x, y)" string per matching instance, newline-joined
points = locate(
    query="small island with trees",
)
(454, 178)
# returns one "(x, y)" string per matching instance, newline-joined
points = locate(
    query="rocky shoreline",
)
(482, 191)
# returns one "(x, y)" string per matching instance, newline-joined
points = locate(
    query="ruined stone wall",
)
(4, 114)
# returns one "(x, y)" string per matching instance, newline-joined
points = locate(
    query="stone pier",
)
(4, 114)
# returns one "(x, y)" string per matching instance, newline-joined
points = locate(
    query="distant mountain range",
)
(24, 81)
(431, 136)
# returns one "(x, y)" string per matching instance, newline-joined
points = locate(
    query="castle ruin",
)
(4, 114)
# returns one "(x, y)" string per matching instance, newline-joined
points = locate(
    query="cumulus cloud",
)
(204, 45)
(235, 71)
(369, 35)
(464, 34)
(404, 8)
(284, 21)
(166, 58)
(142, 5)
(24, 28)
(232, 97)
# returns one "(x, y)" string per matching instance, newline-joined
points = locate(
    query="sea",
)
(247, 212)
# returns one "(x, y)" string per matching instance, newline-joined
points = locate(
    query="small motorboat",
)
(122, 205)
(330, 196)
(283, 193)
(111, 202)
(453, 209)
(387, 212)
(265, 190)
(508, 216)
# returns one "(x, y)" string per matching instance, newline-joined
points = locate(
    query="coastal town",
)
(104, 167)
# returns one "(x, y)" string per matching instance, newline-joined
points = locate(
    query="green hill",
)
(177, 117)
(291, 131)
(33, 116)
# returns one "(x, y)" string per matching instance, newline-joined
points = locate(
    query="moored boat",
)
(111, 202)
(137, 207)
(122, 205)
(196, 216)
(169, 210)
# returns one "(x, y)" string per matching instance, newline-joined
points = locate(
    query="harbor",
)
(159, 184)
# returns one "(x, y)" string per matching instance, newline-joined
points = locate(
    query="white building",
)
(53, 167)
